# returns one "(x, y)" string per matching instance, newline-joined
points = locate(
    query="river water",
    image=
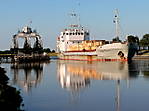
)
(82, 86)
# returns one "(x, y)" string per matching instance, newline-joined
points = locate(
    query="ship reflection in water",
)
(77, 75)
(27, 75)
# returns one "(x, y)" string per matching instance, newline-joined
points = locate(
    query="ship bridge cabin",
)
(73, 35)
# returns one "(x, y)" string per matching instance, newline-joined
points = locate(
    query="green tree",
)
(47, 50)
(144, 42)
(53, 51)
(133, 39)
(116, 39)
(10, 97)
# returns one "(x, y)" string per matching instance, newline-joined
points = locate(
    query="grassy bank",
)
(144, 53)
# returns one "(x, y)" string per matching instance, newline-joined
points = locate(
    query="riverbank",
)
(143, 54)
(53, 55)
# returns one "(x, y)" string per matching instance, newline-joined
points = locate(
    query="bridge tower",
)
(27, 34)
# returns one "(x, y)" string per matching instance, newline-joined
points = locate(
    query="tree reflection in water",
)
(139, 68)
(10, 99)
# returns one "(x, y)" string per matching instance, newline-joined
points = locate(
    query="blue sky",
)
(49, 17)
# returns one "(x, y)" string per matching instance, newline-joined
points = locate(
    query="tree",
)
(10, 97)
(145, 41)
(116, 39)
(53, 51)
(47, 50)
(133, 39)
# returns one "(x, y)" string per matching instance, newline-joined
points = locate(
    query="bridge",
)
(31, 51)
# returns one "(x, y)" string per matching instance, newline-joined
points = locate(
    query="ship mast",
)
(75, 16)
(117, 25)
(75, 19)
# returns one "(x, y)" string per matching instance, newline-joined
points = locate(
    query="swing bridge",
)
(32, 47)
(27, 34)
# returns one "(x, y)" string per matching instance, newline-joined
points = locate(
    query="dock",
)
(30, 58)
(141, 57)
(144, 54)
(24, 58)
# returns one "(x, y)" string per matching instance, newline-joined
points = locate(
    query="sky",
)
(50, 17)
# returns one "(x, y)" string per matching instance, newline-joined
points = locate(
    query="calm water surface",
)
(82, 86)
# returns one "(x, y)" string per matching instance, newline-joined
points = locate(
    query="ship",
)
(74, 43)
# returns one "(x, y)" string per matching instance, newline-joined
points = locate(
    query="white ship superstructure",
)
(72, 35)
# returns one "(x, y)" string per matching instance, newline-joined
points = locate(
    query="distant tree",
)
(133, 39)
(6, 52)
(116, 39)
(47, 50)
(53, 51)
(145, 41)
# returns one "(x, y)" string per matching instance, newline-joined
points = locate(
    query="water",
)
(82, 86)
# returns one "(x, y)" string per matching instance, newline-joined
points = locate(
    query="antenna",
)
(78, 3)
(72, 15)
(75, 19)
(117, 24)
(75, 15)
(30, 23)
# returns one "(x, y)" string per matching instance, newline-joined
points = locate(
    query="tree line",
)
(143, 42)
(47, 50)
